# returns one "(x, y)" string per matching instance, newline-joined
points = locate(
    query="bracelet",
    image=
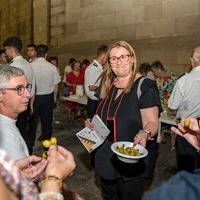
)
(52, 195)
(51, 178)
(148, 134)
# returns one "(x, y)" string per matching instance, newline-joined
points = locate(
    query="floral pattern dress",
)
(165, 87)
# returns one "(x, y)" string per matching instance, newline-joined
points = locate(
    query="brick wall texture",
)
(165, 30)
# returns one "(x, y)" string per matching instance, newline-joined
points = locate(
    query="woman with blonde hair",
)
(129, 117)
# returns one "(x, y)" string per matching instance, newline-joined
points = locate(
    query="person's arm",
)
(66, 77)
(150, 125)
(69, 81)
(91, 76)
(70, 84)
(61, 165)
(56, 88)
(93, 87)
(176, 97)
(89, 124)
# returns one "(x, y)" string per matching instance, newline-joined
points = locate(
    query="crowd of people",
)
(29, 91)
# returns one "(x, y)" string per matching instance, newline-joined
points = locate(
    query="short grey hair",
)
(7, 73)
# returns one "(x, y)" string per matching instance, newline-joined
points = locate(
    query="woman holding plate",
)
(129, 117)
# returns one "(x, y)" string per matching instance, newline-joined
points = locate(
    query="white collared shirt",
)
(11, 140)
(185, 97)
(67, 70)
(24, 65)
(92, 74)
(46, 76)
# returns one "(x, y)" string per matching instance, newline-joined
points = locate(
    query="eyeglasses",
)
(20, 89)
(122, 58)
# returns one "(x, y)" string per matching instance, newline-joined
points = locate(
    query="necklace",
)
(111, 121)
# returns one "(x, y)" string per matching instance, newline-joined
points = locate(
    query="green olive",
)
(46, 143)
(186, 124)
(130, 151)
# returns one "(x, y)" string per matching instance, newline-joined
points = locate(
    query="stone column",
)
(41, 21)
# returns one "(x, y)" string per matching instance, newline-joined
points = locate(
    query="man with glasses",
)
(91, 82)
(14, 99)
(13, 46)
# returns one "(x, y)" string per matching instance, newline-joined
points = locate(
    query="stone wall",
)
(16, 19)
(41, 21)
(157, 29)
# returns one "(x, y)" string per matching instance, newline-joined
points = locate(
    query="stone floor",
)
(84, 180)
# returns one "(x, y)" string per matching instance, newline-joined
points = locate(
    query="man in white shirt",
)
(92, 80)
(47, 80)
(14, 99)
(185, 98)
(13, 46)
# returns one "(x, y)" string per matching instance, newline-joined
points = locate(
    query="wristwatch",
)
(148, 133)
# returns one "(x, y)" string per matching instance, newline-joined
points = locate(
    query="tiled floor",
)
(84, 180)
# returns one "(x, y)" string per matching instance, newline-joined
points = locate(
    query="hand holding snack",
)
(186, 124)
(47, 144)
(189, 129)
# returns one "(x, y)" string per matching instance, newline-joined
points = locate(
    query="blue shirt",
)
(182, 186)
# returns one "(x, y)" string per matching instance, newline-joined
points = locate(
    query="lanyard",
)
(105, 100)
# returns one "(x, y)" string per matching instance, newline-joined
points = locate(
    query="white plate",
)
(127, 158)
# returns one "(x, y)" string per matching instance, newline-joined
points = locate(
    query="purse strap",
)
(139, 91)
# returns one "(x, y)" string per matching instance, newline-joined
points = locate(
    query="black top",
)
(128, 124)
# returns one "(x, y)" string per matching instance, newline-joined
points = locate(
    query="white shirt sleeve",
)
(176, 96)
(90, 79)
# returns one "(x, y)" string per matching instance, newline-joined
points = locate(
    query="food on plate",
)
(130, 151)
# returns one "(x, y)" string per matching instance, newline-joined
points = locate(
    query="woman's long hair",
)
(107, 77)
